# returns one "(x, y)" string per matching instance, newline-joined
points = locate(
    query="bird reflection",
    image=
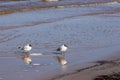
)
(25, 57)
(61, 60)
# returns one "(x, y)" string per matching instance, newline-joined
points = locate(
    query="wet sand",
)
(96, 71)
(91, 32)
(7, 7)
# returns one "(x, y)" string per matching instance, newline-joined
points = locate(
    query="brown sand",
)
(90, 73)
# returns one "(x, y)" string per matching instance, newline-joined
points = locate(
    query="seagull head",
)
(30, 45)
(65, 45)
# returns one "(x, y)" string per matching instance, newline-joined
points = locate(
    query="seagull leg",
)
(63, 53)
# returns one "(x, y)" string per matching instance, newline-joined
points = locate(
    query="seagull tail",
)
(20, 48)
(58, 49)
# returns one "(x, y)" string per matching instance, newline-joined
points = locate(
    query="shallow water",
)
(89, 27)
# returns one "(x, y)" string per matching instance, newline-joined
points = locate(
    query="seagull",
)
(63, 48)
(26, 48)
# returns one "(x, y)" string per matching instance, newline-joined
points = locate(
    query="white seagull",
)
(26, 48)
(63, 48)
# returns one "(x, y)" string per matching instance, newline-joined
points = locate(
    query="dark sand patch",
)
(108, 70)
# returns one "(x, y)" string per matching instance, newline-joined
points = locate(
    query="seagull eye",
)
(30, 45)
(65, 45)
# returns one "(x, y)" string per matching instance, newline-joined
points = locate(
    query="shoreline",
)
(22, 7)
(95, 71)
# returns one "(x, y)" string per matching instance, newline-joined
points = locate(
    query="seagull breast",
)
(63, 48)
(27, 48)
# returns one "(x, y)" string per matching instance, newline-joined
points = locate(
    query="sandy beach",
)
(90, 28)
(92, 72)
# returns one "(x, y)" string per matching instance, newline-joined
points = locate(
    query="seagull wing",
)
(58, 49)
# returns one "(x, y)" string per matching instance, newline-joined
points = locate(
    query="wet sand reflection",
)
(25, 56)
(61, 60)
